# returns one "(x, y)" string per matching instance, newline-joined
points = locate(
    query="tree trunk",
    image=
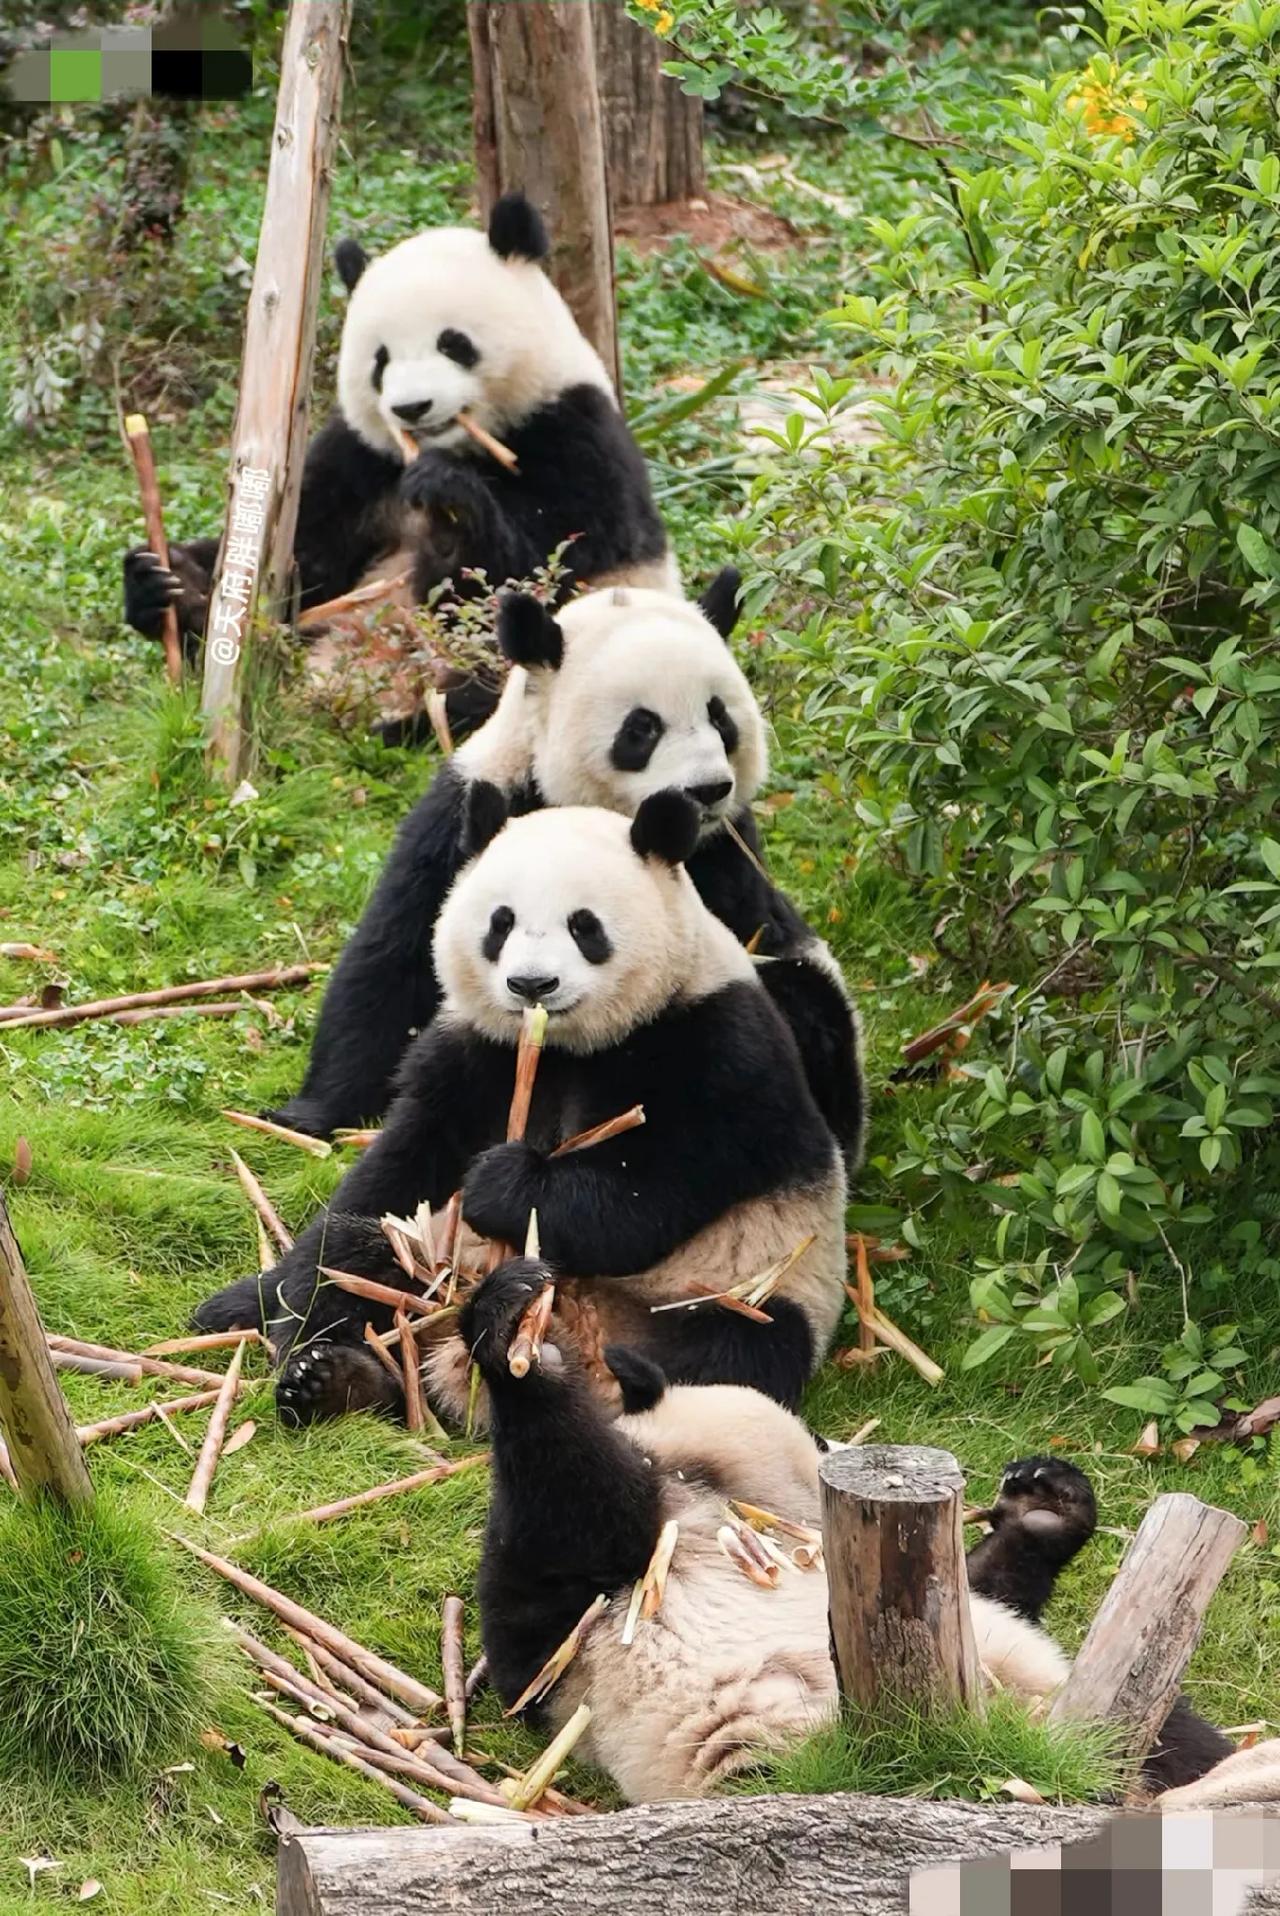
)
(652, 131)
(538, 131)
(255, 562)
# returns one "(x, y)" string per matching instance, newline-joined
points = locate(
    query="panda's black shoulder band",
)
(527, 633)
(516, 230)
(666, 827)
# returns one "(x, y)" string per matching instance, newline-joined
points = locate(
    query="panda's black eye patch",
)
(380, 359)
(499, 931)
(590, 936)
(635, 740)
(457, 347)
(718, 713)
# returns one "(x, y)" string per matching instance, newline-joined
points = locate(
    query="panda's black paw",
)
(321, 1381)
(1048, 1499)
(242, 1306)
(494, 1309)
(149, 590)
(442, 485)
(500, 1189)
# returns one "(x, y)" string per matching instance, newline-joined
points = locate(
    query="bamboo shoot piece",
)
(421, 1806)
(318, 1147)
(134, 1419)
(455, 1682)
(214, 1438)
(261, 1203)
(539, 1775)
(559, 1660)
(144, 465)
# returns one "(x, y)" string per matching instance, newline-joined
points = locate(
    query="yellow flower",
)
(664, 22)
(1103, 105)
(650, 6)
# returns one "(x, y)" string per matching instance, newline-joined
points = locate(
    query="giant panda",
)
(627, 691)
(651, 1001)
(726, 1670)
(450, 321)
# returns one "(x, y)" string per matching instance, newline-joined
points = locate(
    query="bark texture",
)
(43, 1449)
(652, 131)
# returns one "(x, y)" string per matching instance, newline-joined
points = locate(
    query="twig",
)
(326, 1513)
(376, 1668)
(261, 1203)
(144, 465)
(196, 1010)
(214, 1438)
(153, 1366)
(426, 1811)
(133, 1419)
(317, 615)
(205, 1341)
(318, 1147)
(536, 1778)
(451, 1659)
(282, 976)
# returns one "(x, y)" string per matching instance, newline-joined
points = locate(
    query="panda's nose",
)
(417, 409)
(709, 795)
(532, 989)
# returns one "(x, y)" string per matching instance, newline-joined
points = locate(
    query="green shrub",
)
(1039, 645)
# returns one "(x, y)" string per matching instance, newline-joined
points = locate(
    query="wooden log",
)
(144, 465)
(728, 1856)
(538, 127)
(40, 1438)
(893, 1540)
(255, 560)
(1129, 1667)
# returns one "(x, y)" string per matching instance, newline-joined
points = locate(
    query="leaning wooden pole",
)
(893, 1541)
(252, 576)
(44, 1451)
(1128, 1668)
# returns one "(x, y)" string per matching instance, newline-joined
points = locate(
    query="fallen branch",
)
(144, 465)
(424, 1810)
(282, 976)
(559, 1660)
(376, 1668)
(451, 1660)
(261, 1203)
(326, 1513)
(214, 1438)
(134, 1419)
(318, 1147)
(152, 1366)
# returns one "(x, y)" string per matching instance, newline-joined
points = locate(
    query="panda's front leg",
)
(575, 1509)
(466, 529)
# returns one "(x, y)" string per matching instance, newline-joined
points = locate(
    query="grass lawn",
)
(116, 855)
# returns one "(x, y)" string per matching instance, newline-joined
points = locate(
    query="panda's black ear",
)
(721, 602)
(516, 230)
(666, 827)
(527, 633)
(350, 259)
(484, 818)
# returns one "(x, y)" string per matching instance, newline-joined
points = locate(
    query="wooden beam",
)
(727, 1856)
(251, 579)
(1130, 1665)
(43, 1449)
(893, 1540)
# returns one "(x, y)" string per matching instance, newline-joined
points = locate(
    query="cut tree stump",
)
(255, 561)
(1128, 1669)
(44, 1451)
(893, 1540)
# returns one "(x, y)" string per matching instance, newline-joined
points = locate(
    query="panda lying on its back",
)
(726, 1669)
(626, 693)
(452, 321)
(651, 1001)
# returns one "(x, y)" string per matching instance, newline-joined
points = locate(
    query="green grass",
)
(903, 1753)
(116, 855)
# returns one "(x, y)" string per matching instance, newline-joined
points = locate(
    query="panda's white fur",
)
(668, 951)
(727, 1669)
(624, 647)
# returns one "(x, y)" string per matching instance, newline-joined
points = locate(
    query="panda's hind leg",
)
(326, 1379)
(1043, 1514)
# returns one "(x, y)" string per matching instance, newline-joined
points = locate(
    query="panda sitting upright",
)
(651, 1001)
(727, 1669)
(625, 693)
(447, 322)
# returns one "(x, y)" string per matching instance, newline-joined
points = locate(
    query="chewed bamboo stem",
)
(540, 1774)
(152, 1366)
(203, 1341)
(378, 589)
(602, 1133)
(533, 1032)
(560, 1659)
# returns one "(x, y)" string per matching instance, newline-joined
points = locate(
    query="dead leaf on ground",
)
(239, 1438)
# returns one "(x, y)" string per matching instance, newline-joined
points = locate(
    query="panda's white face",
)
(560, 910)
(648, 698)
(442, 325)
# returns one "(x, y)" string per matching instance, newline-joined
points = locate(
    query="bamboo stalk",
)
(348, 1678)
(381, 1352)
(119, 1370)
(984, 999)
(133, 1419)
(560, 1659)
(426, 1811)
(359, 1140)
(377, 589)
(451, 1659)
(282, 976)
(533, 1032)
(153, 1366)
(326, 1513)
(214, 1438)
(144, 465)
(601, 1133)
(410, 1376)
(494, 447)
(318, 1147)
(541, 1773)
(371, 1290)
(261, 1203)
(525, 1349)
(205, 1341)
(478, 1673)
(866, 1297)
(376, 1668)
(425, 1771)
(197, 1009)
(889, 1334)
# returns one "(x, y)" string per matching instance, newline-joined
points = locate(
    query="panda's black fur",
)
(384, 989)
(580, 478)
(576, 1508)
(733, 1168)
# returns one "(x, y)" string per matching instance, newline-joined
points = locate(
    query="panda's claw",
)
(326, 1380)
(1043, 1493)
